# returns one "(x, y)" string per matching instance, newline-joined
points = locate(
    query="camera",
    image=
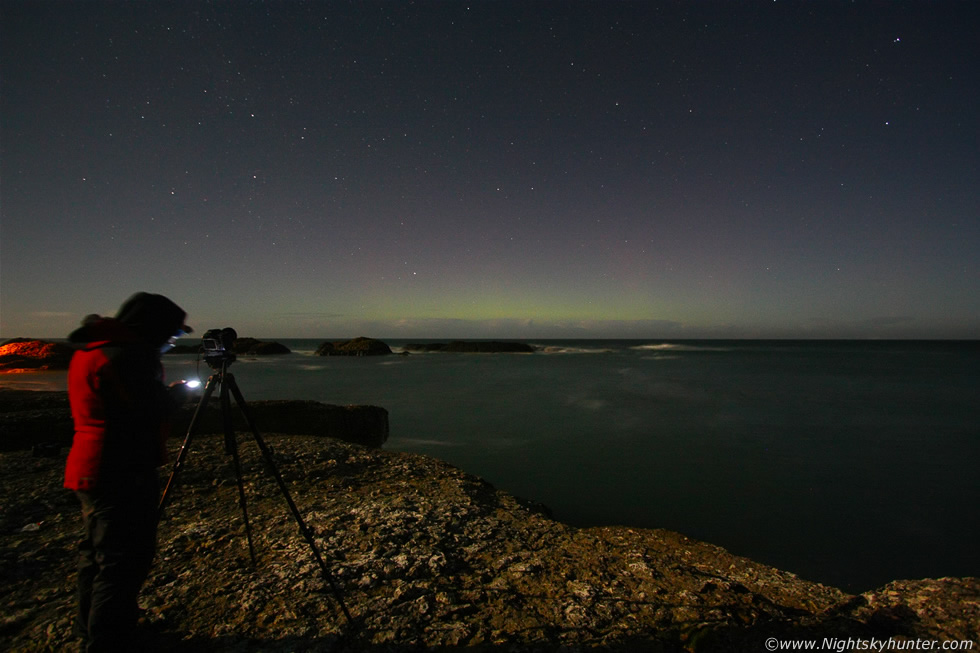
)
(216, 345)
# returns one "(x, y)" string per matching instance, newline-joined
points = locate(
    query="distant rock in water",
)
(356, 347)
(470, 347)
(242, 346)
(253, 347)
(27, 354)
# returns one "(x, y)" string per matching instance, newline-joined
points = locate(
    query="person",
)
(121, 409)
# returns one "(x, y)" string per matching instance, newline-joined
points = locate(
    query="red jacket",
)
(120, 406)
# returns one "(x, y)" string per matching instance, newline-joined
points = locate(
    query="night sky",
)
(494, 169)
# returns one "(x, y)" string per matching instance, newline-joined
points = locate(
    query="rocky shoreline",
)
(426, 557)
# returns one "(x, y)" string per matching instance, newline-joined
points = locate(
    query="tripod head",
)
(216, 345)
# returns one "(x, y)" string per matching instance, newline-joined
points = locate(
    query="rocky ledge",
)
(29, 419)
(424, 557)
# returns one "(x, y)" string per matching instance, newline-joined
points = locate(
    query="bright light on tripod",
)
(193, 384)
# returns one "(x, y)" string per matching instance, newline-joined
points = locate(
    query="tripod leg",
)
(231, 446)
(303, 528)
(185, 447)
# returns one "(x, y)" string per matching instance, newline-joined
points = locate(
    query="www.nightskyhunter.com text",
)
(858, 644)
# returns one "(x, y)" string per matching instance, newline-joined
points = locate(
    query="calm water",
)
(849, 463)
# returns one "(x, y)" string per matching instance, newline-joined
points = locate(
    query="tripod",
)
(221, 377)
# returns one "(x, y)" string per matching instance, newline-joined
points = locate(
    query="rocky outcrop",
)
(356, 347)
(364, 425)
(470, 346)
(34, 355)
(30, 418)
(945, 608)
(426, 557)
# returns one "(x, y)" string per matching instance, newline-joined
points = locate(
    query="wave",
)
(561, 349)
(673, 347)
(423, 442)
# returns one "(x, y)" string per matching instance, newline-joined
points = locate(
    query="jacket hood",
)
(96, 328)
(147, 318)
(154, 318)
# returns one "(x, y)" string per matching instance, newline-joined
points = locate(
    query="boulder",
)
(471, 346)
(356, 347)
(27, 354)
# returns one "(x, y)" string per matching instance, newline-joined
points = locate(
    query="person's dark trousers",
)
(114, 559)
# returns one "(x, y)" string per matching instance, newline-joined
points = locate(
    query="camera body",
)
(216, 345)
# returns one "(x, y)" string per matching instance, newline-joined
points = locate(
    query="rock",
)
(945, 608)
(29, 418)
(26, 354)
(469, 346)
(365, 425)
(356, 347)
(253, 347)
(425, 557)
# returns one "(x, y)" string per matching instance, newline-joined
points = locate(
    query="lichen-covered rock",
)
(356, 347)
(34, 355)
(946, 608)
(425, 557)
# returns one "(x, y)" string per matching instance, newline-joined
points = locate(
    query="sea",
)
(850, 463)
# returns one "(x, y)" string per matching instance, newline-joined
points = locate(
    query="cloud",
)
(521, 328)
(52, 315)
